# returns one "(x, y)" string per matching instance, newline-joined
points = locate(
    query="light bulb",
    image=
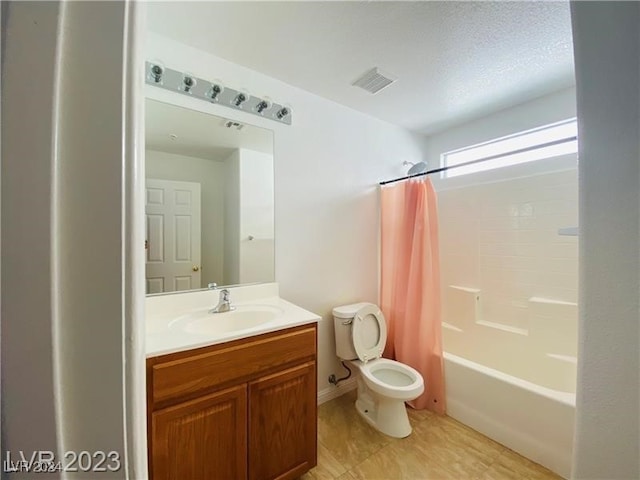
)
(213, 94)
(241, 97)
(156, 72)
(262, 105)
(188, 82)
(283, 112)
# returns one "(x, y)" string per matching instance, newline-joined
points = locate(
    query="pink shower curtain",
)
(410, 286)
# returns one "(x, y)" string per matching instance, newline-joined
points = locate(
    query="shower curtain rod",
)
(491, 157)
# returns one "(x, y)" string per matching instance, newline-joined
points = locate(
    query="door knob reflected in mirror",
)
(195, 268)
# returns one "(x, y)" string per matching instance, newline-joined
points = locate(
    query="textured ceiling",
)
(198, 134)
(455, 61)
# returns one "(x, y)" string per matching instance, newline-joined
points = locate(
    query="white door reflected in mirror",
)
(172, 211)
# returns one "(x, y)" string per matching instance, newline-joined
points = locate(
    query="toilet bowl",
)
(383, 385)
(392, 379)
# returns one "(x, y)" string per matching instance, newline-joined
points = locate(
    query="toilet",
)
(383, 385)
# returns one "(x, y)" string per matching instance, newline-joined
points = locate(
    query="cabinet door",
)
(282, 424)
(202, 439)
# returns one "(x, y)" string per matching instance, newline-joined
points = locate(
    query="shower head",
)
(416, 168)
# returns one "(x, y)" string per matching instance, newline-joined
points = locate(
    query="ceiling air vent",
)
(374, 80)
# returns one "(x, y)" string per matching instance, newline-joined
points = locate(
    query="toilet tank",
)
(341, 320)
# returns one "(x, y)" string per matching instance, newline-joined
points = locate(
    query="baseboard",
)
(333, 391)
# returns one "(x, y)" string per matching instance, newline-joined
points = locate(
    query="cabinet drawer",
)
(183, 376)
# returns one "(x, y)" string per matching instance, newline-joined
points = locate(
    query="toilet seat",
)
(369, 332)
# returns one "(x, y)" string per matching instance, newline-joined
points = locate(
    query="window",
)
(537, 144)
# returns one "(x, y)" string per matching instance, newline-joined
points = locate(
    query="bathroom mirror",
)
(209, 202)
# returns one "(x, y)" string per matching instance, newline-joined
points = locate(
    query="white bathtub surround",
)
(510, 300)
(166, 332)
(532, 420)
(502, 238)
(520, 387)
(544, 353)
(553, 327)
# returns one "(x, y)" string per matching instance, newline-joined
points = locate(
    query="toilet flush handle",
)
(347, 322)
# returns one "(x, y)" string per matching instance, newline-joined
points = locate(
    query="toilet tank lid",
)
(349, 311)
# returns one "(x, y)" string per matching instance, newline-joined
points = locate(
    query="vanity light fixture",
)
(188, 82)
(214, 91)
(263, 105)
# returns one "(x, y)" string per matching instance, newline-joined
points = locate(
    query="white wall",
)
(28, 385)
(327, 165)
(210, 174)
(248, 211)
(257, 212)
(607, 53)
(232, 219)
(72, 276)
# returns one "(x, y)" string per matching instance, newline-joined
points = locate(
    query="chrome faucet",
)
(224, 304)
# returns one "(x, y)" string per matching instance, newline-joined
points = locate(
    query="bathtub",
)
(513, 379)
(533, 420)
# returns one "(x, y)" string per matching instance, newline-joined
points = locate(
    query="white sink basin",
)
(244, 317)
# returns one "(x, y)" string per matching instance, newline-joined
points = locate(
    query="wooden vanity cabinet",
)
(282, 423)
(186, 434)
(245, 409)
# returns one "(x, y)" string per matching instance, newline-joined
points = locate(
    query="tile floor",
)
(439, 448)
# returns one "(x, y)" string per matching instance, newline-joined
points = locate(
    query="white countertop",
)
(162, 338)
